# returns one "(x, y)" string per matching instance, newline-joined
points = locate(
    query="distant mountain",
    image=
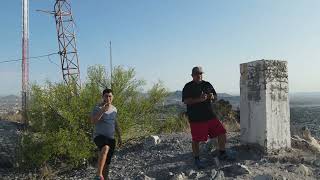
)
(176, 98)
(233, 100)
(178, 95)
(9, 98)
(305, 94)
(296, 99)
(223, 95)
(8, 101)
(305, 99)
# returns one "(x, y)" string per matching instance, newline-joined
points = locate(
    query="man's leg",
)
(216, 129)
(106, 171)
(222, 152)
(222, 139)
(196, 153)
(112, 144)
(102, 159)
(195, 148)
(199, 132)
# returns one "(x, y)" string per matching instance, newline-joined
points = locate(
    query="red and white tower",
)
(67, 42)
(25, 57)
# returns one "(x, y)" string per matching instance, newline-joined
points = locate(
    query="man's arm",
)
(213, 95)
(188, 99)
(191, 101)
(95, 117)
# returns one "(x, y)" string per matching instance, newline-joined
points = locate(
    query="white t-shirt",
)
(106, 125)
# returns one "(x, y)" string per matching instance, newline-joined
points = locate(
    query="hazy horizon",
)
(290, 93)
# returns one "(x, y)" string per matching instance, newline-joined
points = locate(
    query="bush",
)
(58, 126)
(227, 115)
(175, 124)
(58, 119)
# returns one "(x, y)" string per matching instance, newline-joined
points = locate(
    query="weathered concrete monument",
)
(264, 104)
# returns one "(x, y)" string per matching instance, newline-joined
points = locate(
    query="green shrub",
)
(58, 119)
(175, 124)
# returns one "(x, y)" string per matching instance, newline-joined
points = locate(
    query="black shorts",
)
(101, 141)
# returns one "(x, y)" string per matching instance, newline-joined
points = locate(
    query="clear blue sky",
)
(164, 39)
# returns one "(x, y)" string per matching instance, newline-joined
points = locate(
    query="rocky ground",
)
(172, 159)
(9, 136)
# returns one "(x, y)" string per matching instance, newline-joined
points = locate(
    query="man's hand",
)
(119, 142)
(190, 101)
(106, 107)
(203, 97)
(95, 118)
(211, 96)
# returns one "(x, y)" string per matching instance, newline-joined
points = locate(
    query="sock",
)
(196, 158)
(222, 152)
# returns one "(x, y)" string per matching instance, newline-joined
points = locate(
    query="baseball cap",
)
(197, 70)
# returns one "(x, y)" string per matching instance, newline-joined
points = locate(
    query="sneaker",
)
(199, 164)
(223, 156)
(226, 156)
(99, 178)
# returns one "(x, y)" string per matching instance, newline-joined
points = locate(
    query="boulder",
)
(152, 141)
(263, 177)
(303, 170)
(235, 170)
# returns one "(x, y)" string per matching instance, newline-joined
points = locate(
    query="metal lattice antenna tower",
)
(25, 56)
(67, 42)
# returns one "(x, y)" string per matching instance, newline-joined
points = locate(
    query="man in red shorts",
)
(198, 95)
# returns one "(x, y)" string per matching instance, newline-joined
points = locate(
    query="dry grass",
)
(15, 117)
(231, 125)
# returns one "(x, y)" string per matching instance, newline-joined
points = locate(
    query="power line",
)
(33, 57)
(53, 62)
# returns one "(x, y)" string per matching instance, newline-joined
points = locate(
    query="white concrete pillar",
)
(264, 104)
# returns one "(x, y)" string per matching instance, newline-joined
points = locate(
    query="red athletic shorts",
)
(201, 130)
